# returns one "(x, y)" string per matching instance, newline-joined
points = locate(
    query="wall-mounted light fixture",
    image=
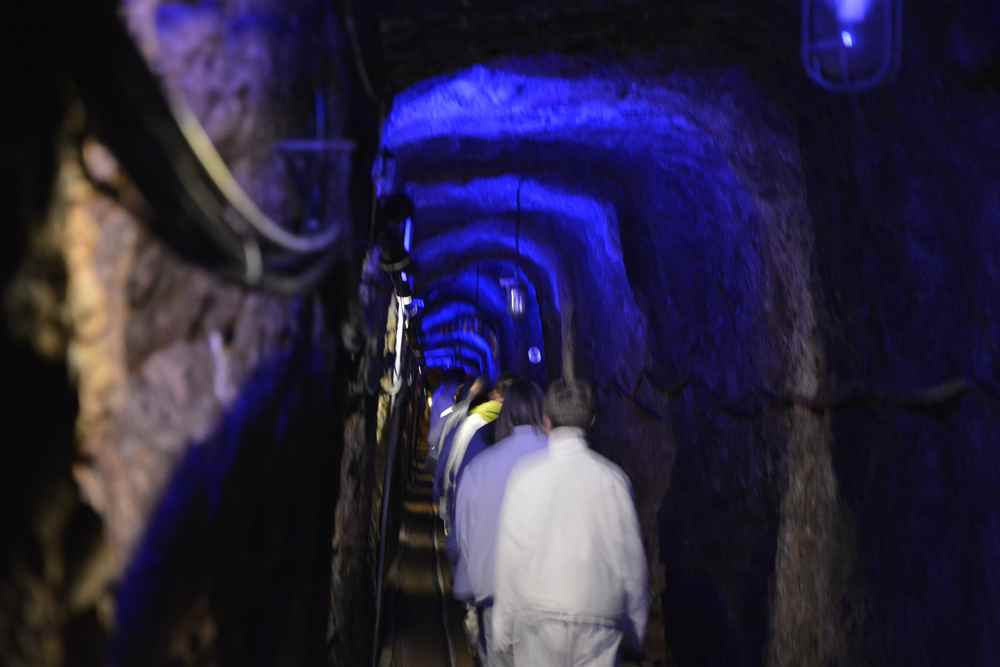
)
(851, 45)
(534, 355)
(511, 285)
(515, 295)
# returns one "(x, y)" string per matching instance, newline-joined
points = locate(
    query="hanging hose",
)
(200, 210)
(245, 209)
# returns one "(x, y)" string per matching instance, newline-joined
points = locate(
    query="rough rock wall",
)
(903, 190)
(50, 607)
(844, 516)
(158, 350)
(47, 610)
(206, 437)
(351, 621)
(234, 564)
(719, 254)
(668, 211)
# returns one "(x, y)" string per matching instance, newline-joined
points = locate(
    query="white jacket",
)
(569, 546)
(477, 508)
(459, 445)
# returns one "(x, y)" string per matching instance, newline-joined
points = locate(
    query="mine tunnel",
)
(254, 246)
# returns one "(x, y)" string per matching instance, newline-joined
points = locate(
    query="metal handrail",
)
(387, 497)
(401, 440)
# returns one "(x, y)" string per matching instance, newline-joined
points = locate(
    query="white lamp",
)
(851, 45)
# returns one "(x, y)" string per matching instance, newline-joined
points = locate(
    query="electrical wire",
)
(359, 60)
(287, 285)
(241, 203)
(199, 208)
(517, 228)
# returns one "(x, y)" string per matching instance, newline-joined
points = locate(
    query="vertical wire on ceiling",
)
(517, 222)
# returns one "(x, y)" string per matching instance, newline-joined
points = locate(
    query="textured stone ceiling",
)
(420, 40)
(615, 195)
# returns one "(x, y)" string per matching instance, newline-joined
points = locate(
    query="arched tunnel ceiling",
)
(570, 236)
(453, 311)
(634, 195)
(442, 258)
(550, 98)
(468, 341)
(440, 252)
(446, 359)
(538, 310)
(447, 316)
(485, 295)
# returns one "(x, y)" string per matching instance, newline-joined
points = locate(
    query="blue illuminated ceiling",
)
(617, 199)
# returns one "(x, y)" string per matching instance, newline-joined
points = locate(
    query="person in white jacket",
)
(571, 574)
(481, 488)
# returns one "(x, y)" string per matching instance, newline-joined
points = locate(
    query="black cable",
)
(351, 28)
(193, 215)
(517, 229)
(289, 285)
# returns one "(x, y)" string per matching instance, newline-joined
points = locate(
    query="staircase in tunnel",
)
(423, 621)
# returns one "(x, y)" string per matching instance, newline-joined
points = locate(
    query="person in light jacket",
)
(481, 487)
(464, 398)
(442, 405)
(483, 411)
(571, 574)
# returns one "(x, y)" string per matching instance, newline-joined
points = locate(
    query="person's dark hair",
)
(522, 406)
(570, 403)
(478, 396)
(503, 384)
(506, 378)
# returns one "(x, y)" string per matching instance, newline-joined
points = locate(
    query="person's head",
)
(478, 392)
(569, 403)
(522, 406)
(499, 390)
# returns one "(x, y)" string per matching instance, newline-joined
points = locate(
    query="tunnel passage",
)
(784, 299)
(662, 244)
(673, 227)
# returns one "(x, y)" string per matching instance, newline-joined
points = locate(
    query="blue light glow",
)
(486, 102)
(453, 358)
(470, 342)
(456, 313)
(488, 300)
(486, 294)
(850, 11)
(528, 327)
(563, 229)
(851, 45)
(480, 238)
(444, 314)
(408, 234)
(474, 153)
